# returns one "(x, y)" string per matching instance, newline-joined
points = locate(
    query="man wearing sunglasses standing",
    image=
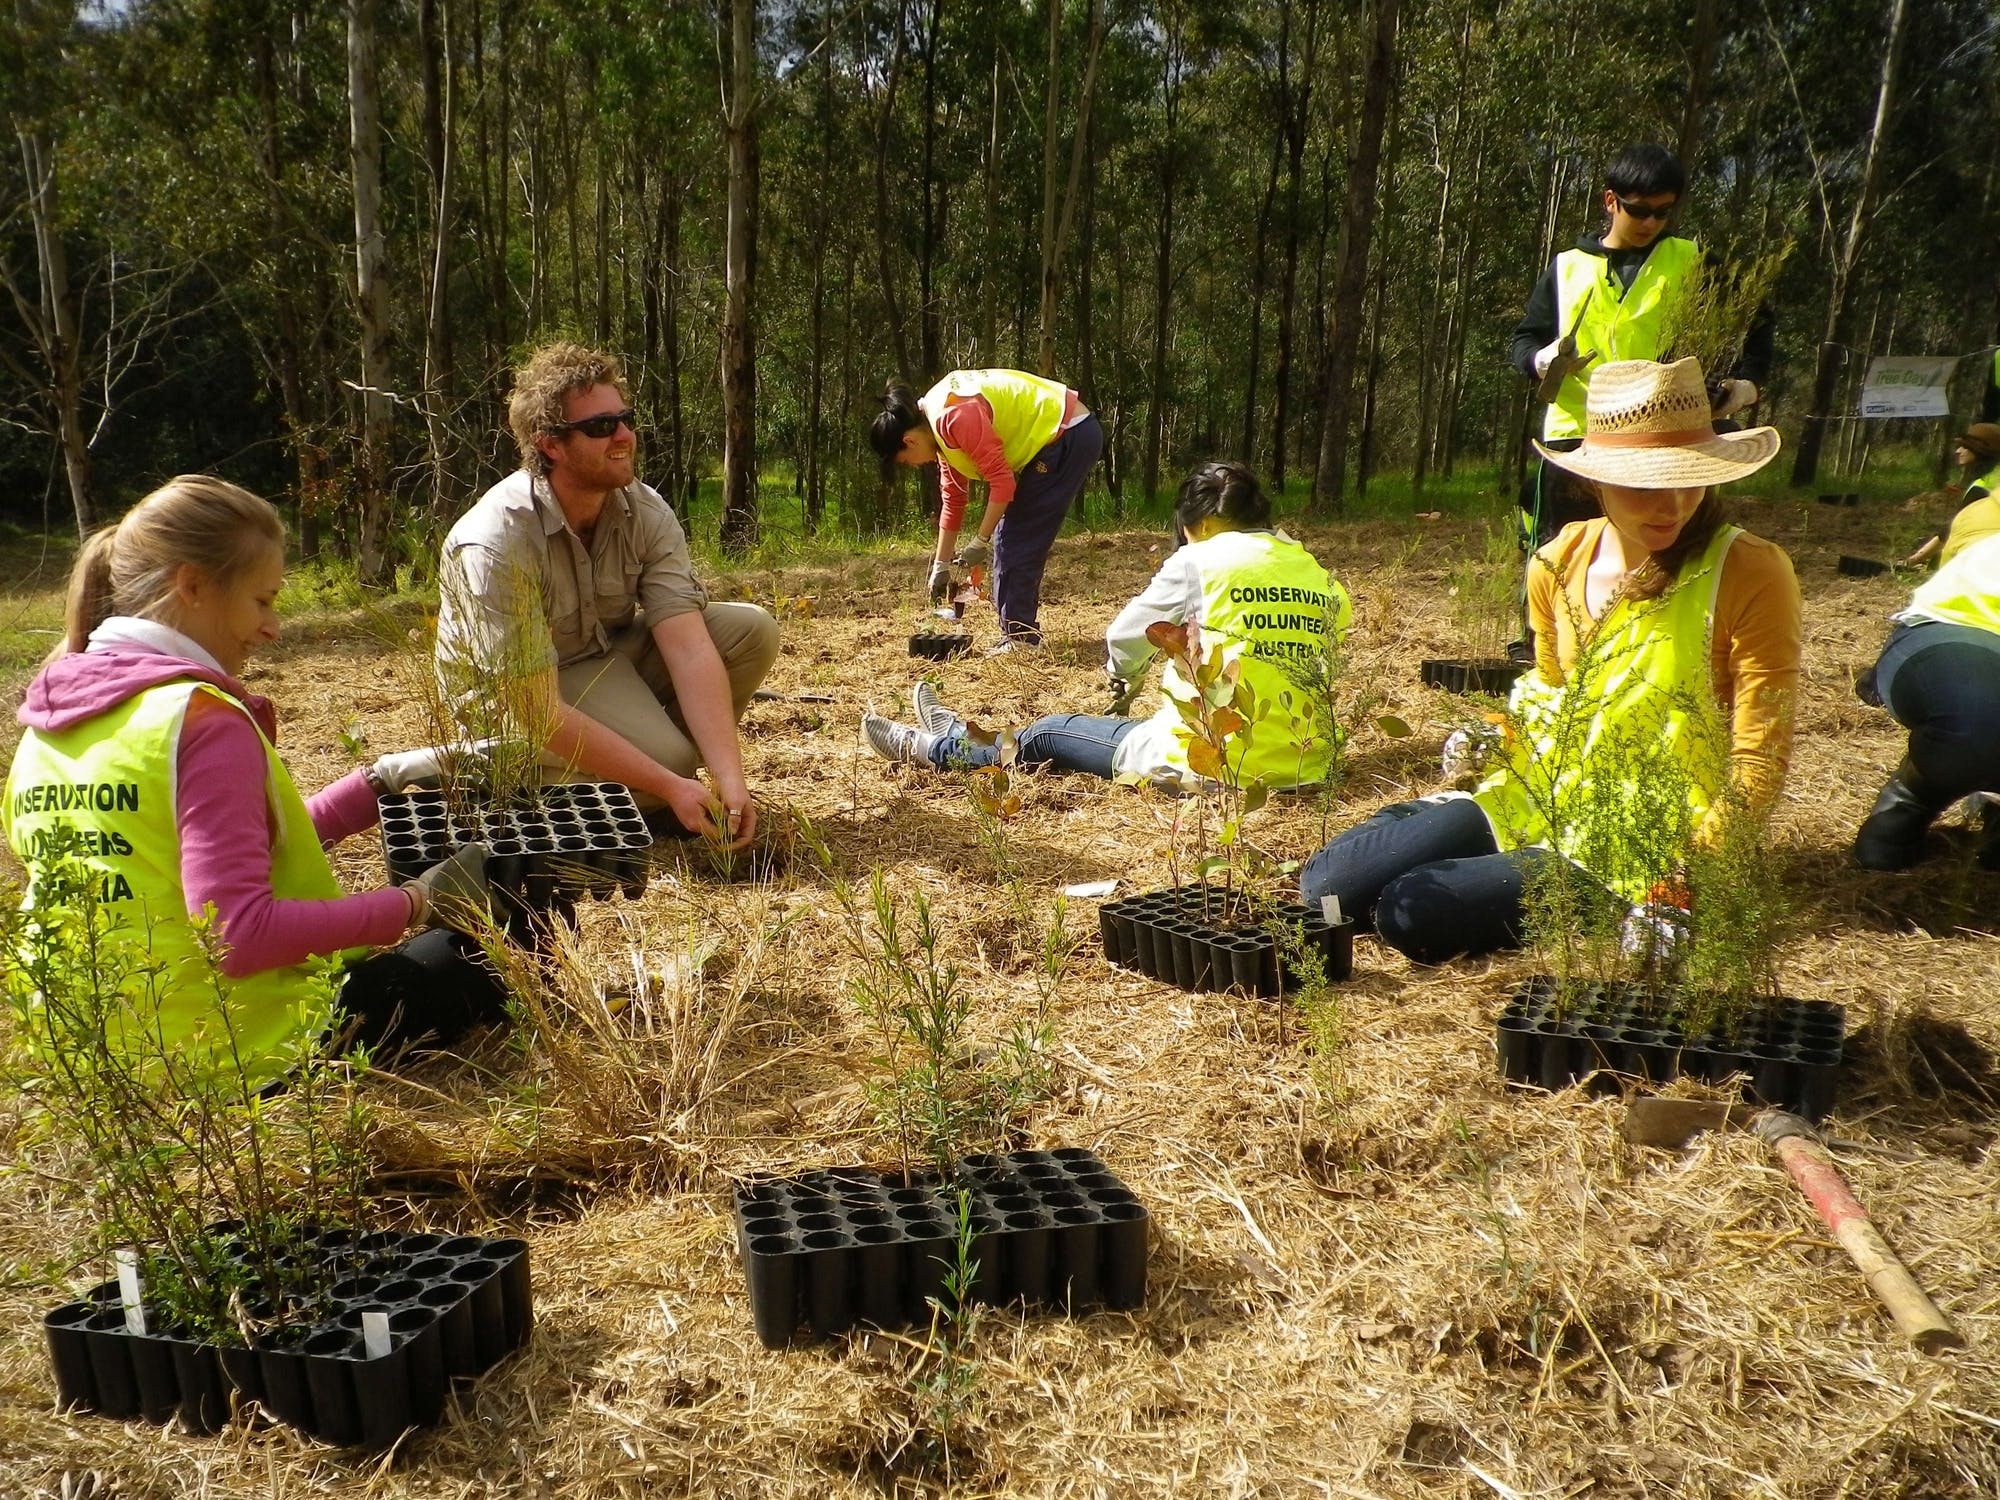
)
(567, 598)
(1610, 298)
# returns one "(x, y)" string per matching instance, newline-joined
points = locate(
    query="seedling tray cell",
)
(825, 1251)
(455, 1308)
(940, 645)
(1167, 936)
(1489, 675)
(1789, 1051)
(573, 840)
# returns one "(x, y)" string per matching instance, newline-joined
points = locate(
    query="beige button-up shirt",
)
(520, 592)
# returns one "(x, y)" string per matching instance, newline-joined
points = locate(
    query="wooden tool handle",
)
(1890, 1280)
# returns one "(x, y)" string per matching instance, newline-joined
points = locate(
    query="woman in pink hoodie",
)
(146, 756)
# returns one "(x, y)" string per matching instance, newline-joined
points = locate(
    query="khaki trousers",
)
(630, 691)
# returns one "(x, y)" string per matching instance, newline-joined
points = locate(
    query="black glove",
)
(940, 584)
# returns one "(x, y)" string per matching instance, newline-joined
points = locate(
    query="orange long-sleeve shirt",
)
(1754, 651)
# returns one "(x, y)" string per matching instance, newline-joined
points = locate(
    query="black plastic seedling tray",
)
(827, 1250)
(581, 839)
(1789, 1050)
(456, 1306)
(1490, 675)
(1861, 567)
(1164, 935)
(940, 645)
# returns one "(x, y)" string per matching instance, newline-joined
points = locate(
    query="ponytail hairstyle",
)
(129, 567)
(1225, 489)
(1652, 578)
(898, 415)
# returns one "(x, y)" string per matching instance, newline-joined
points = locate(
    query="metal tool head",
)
(1671, 1123)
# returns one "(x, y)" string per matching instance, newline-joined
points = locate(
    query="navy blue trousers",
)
(1043, 492)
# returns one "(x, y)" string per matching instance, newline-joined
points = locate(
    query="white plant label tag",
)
(375, 1334)
(1329, 910)
(129, 1291)
(1091, 888)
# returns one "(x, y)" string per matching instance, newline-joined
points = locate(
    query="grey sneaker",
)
(932, 715)
(903, 743)
(1013, 644)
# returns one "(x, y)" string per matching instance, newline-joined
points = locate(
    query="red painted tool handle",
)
(1890, 1280)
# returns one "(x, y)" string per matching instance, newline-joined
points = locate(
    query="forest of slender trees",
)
(300, 244)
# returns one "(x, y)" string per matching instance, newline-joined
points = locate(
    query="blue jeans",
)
(1069, 742)
(1431, 877)
(1942, 682)
(1044, 490)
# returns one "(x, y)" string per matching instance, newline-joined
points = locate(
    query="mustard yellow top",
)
(1976, 521)
(1753, 656)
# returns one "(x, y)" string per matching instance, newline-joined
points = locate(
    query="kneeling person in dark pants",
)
(1939, 674)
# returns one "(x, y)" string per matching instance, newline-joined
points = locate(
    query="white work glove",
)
(940, 582)
(974, 552)
(1122, 693)
(1736, 396)
(452, 890)
(1653, 932)
(1546, 356)
(1463, 755)
(401, 770)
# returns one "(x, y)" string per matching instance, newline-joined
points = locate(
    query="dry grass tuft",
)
(1375, 1272)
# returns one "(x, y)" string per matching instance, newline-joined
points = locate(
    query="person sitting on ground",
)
(141, 741)
(1242, 586)
(1032, 440)
(1939, 674)
(568, 587)
(1978, 458)
(1676, 609)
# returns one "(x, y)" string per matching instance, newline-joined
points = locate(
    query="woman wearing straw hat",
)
(1645, 620)
(1978, 458)
(1939, 674)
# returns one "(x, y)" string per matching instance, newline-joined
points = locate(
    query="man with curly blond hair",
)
(570, 582)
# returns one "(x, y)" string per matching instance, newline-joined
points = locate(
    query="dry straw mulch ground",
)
(1375, 1271)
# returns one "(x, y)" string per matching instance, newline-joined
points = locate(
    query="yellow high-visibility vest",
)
(1620, 322)
(1628, 753)
(1027, 412)
(111, 781)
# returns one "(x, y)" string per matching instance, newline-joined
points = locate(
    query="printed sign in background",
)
(1908, 386)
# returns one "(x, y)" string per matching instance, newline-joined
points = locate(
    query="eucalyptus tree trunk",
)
(371, 289)
(1297, 97)
(1356, 236)
(988, 333)
(54, 323)
(440, 124)
(885, 236)
(931, 235)
(1826, 372)
(740, 526)
(1056, 222)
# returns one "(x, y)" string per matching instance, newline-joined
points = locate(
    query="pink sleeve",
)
(954, 489)
(226, 856)
(347, 807)
(968, 427)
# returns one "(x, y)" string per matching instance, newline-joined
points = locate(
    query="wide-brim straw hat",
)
(1982, 439)
(1647, 426)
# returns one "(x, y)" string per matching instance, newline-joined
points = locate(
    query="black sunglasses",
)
(602, 426)
(1646, 210)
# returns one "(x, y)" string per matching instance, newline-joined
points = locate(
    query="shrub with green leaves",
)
(169, 1141)
(1644, 811)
